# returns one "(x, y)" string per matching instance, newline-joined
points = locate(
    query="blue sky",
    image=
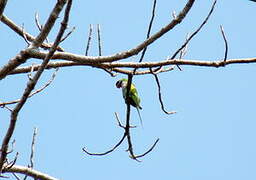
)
(212, 136)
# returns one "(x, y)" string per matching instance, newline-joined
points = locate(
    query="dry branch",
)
(27, 171)
(33, 93)
(23, 56)
(18, 30)
(31, 83)
(2, 6)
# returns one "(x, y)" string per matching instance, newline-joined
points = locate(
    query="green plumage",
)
(133, 97)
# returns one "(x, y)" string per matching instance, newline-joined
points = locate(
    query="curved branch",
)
(28, 171)
(149, 150)
(107, 152)
(160, 95)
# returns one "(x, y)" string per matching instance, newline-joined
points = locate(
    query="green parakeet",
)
(133, 98)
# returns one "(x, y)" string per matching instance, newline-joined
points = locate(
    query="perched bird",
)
(133, 97)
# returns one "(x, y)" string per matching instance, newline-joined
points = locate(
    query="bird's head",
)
(121, 83)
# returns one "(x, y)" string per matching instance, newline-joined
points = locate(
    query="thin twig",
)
(68, 34)
(31, 159)
(160, 95)
(99, 40)
(34, 92)
(195, 32)
(11, 164)
(226, 43)
(39, 26)
(89, 40)
(16, 176)
(12, 147)
(18, 30)
(24, 35)
(118, 121)
(107, 152)
(148, 33)
(149, 29)
(6, 107)
(31, 165)
(148, 151)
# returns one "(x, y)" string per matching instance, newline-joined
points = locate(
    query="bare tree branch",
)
(23, 56)
(28, 171)
(117, 65)
(33, 93)
(194, 33)
(19, 31)
(2, 6)
(24, 35)
(149, 150)
(148, 33)
(149, 29)
(68, 34)
(31, 84)
(107, 152)
(31, 165)
(160, 95)
(31, 159)
(56, 64)
(121, 55)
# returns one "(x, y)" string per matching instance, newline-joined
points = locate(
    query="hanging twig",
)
(107, 152)
(148, 151)
(160, 95)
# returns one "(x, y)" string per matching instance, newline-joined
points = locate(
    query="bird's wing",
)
(134, 95)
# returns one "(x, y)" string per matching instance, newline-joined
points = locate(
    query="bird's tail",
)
(139, 116)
